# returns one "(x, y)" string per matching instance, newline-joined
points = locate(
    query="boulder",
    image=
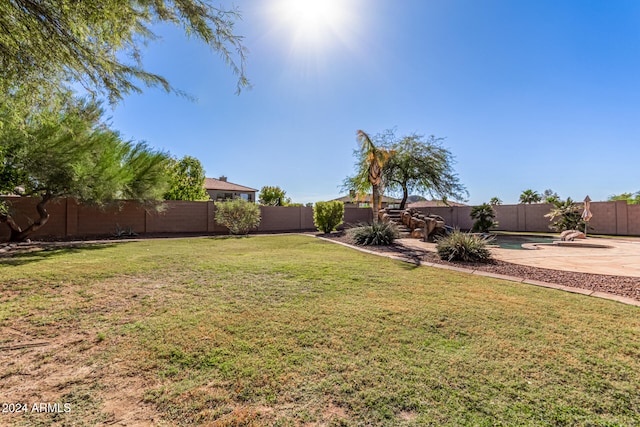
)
(430, 226)
(406, 218)
(385, 218)
(571, 235)
(418, 233)
(413, 223)
(436, 217)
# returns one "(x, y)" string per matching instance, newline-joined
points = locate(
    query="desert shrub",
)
(328, 215)
(378, 233)
(238, 215)
(459, 246)
(484, 216)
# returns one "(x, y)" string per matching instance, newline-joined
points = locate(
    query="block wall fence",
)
(69, 220)
(614, 218)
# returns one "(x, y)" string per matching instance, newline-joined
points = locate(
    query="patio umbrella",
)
(586, 213)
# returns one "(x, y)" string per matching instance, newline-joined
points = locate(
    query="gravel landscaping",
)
(618, 285)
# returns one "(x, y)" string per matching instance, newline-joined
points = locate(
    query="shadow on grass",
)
(34, 253)
(230, 236)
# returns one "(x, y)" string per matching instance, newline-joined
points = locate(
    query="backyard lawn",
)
(291, 330)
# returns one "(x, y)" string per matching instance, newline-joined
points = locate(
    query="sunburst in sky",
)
(314, 25)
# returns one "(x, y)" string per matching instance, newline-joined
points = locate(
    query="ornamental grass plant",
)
(376, 234)
(467, 247)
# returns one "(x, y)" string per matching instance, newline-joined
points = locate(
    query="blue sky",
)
(528, 94)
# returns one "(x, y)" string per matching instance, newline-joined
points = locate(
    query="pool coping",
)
(570, 289)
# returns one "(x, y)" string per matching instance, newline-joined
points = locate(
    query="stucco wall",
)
(70, 220)
(614, 218)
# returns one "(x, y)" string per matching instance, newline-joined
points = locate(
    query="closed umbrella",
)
(586, 213)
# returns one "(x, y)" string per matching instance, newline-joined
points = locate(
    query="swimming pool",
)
(515, 241)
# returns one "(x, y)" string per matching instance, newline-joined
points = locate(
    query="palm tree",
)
(530, 196)
(566, 215)
(484, 216)
(495, 201)
(374, 160)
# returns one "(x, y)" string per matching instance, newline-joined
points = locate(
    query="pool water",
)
(505, 241)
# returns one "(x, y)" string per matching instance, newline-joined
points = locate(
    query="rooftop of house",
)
(365, 199)
(221, 184)
(433, 204)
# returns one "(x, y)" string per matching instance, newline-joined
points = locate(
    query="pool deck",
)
(621, 258)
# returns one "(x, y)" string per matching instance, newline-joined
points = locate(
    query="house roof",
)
(433, 204)
(365, 199)
(216, 184)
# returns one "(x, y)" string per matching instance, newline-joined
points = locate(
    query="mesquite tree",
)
(97, 43)
(423, 166)
(67, 151)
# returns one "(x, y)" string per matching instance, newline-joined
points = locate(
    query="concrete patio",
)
(621, 258)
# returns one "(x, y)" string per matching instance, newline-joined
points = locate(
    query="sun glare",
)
(313, 23)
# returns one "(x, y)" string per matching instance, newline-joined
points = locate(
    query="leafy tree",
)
(46, 43)
(328, 215)
(368, 177)
(530, 196)
(552, 199)
(484, 216)
(632, 199)
(238, 215)
(186, 180)
(69, 152)
(495, 201)
(550, 196)
(421, 165)
(566, 215)
(273, 196)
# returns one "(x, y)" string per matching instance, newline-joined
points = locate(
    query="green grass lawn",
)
(291, 330)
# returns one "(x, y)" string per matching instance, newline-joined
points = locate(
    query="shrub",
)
(328, 215)
(484, 215)
(378, 233)
(238, 215)
(459, 246)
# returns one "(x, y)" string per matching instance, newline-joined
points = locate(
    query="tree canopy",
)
(186, 180)
(273, 196)
(530, 196)
(67, 151)
(411, 164)
(632, 199)
(422, 166)
(97, 43)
